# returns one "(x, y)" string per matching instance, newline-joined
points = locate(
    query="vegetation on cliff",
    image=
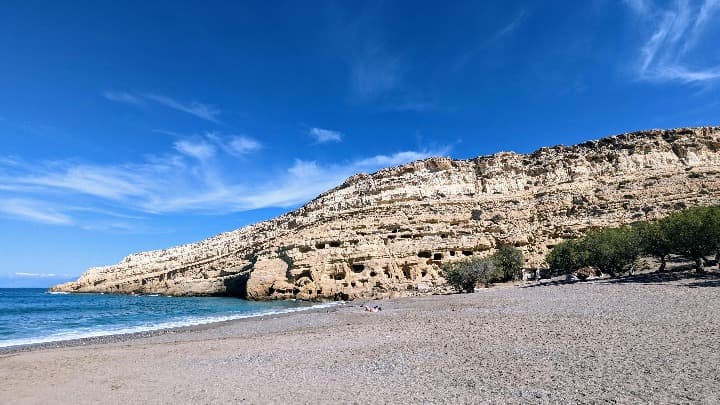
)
(693, 233)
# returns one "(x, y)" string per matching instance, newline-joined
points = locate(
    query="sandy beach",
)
(642, 339)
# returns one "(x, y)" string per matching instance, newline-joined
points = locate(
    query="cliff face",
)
(386, 234)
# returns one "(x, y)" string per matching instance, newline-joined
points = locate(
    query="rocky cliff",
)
(386, 234)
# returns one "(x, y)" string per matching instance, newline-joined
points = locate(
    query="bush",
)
(654, 240)
(612, 250)
(509, 261)
(567, 256)
(465, 274)
(693, 233)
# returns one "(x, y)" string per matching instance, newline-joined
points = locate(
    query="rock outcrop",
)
(386, 234)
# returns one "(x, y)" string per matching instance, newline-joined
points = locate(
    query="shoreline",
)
(161, 331)
(323, 306)
(318, 307)
(327, 306)
(640, 339)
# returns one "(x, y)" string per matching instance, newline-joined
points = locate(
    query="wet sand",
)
(642, 339)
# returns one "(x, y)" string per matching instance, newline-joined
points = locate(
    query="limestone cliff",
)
(386, 234)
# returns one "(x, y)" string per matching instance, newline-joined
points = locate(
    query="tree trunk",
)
(662, 264)
(699, 265)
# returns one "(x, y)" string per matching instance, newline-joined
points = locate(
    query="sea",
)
(34, 315)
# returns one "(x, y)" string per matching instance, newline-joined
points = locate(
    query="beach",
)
(640, 339)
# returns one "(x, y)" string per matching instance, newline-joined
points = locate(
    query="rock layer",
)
(387, 234)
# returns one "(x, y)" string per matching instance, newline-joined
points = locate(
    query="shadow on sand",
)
(708, 279)
(696, 280)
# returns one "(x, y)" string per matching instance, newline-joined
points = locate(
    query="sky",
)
(131, 126)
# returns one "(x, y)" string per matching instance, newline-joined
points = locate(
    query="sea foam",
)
(187, 321)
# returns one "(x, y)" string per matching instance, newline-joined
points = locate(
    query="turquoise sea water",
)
(32, 315)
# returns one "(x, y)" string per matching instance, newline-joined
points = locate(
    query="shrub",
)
(509, 261)
(465, 274)
(654, 240)
(694, 233)
(612, 250)
(567, 256)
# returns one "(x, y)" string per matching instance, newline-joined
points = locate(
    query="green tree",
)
(612, 250)
(465, 274)
(509, 261)
(713, 231)
(693, 233)
(654, 240)
(567, 256)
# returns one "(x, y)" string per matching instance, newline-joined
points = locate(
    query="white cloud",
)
(33, 211)
(235, 145)
(639, 6)
(109, 182)
(307, 179)
(303, 169)
(9, 161)
(510, 27)
(395, 159)
(325, 135)
(200, 110)
(501, 33)
(374, 72)
(241, 145)
(122, 97)
(40, 275)
(676, 31)
(199, 150)
(52, 192)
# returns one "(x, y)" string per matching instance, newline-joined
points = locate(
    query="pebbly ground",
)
(641, 339)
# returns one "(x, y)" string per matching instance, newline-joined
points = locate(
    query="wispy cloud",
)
(197, 175)
(235, 145)
(304, 180)
(374, 72)
(675, 32)
(199, 150)
(204, 111)
(34, 211)
(498, 35)
(642, 7)
(509, 28)
(200, 110)
(396, 158)
(40, 275)
(240, 145)
(379, 72)
(122, 97)
(325, 135)
(409, 105)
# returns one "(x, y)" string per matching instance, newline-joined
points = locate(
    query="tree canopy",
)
(693, 233)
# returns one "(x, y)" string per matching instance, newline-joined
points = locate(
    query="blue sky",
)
(127, 126)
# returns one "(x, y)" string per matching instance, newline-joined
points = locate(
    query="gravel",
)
(641, 339)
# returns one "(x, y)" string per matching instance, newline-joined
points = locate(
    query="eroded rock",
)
(387, 234)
